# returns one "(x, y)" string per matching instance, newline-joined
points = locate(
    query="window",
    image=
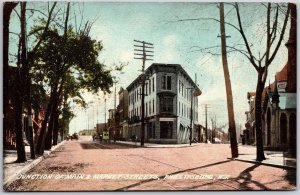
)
(129, 100)
(149, 107)
(146, 109)
(146, 88)
(153, 84)
(166, 104)
(179, 108)
(166, 82)
(150, 86)
(139, 95)
(153, 106)
(188, 95)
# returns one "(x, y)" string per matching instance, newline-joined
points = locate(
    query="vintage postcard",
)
(149, 96)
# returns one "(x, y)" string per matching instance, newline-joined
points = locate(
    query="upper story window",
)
(166, 82)
(146, 114)
(139, 95)
(146, 88)
(153, 84)
(150, 86)
(166, 104)
(153, 106)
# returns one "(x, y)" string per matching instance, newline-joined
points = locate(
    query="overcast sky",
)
(118, 24)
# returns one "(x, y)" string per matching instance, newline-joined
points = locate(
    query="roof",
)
(282, 75)
(156, 65)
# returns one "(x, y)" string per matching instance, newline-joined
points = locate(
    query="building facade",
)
(122, 111)
(168, 101)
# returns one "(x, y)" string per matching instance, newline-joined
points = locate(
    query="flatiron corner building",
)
(169, 91)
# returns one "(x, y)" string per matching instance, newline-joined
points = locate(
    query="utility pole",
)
(105, 113)
(144, 49)
(191, 115)
(206, 124)
(97, 119)
(115, 108)
(212, 130)
(232, 128)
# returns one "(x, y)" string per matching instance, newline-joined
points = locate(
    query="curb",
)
(266, 164)
(30, 165)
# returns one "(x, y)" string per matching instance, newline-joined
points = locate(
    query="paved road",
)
(202, 167)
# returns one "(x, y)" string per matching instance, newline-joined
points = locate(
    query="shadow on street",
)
(174, 173)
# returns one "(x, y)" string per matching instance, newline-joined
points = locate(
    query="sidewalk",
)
(11, 170)
(273, 158)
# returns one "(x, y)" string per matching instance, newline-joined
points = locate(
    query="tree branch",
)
(35, 10)
(45, 30)
(197, 19)
(244, 37)
(274, 30)
(281, 36)
(268, 35)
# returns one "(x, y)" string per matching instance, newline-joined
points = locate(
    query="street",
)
(201, 167)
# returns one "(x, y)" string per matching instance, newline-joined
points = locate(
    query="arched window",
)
(283, 130)
(268, 127)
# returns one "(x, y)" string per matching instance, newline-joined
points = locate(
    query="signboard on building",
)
(281, 86)
(105, 135)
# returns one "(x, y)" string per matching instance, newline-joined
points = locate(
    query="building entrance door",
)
(166, 128)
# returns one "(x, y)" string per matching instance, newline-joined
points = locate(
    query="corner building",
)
(169, 91)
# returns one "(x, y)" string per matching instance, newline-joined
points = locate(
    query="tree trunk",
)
(18, 122)
(7, 9)
(260, 156)
(27, 79)
(41, 140)
(48, 140)
(55, 128)
(19, 112)
(232, 128)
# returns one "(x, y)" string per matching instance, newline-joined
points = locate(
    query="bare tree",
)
(262, 63)
(274, 35)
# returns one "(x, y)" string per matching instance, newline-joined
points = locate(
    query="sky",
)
(178, 42)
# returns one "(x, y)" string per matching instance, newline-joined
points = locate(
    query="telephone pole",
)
(191, 116)
(206, 124)
(232, 128)
(105, 113)
(143, 49)
(115, 110)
